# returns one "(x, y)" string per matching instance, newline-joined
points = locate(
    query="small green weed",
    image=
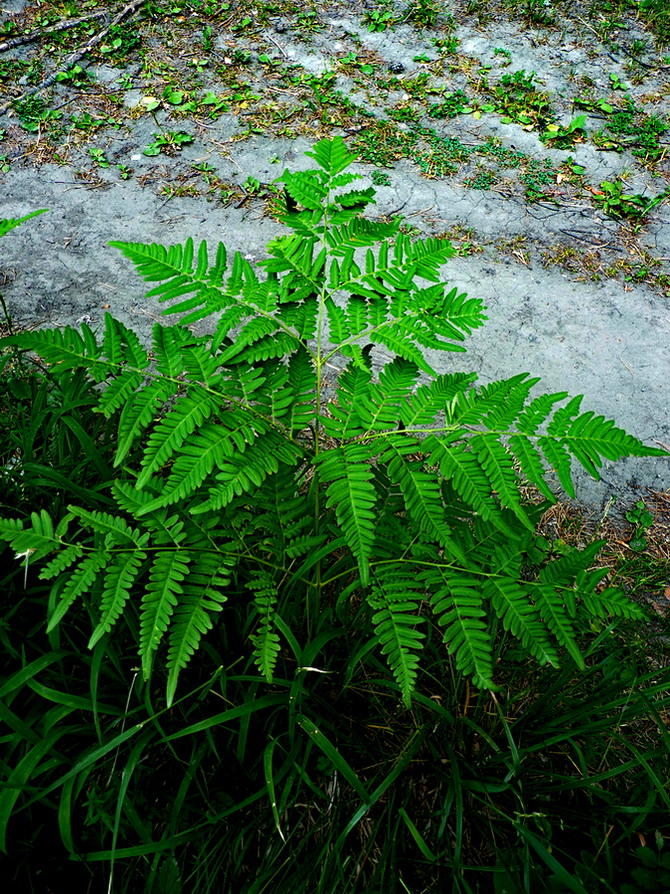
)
(87, 122)
(565, 137)
(535, 12)
(518, 101)
(446, 46)
(423, 13)
(619, 204)
(482, 180)
(450, 105)
(379, 19)
(121, 41)
(593, 104)
(98, 156)
(641, 519)
(628, 127)
(537, 176)
(75, 76)
(34, 112)
(168, 142)
(380, 178)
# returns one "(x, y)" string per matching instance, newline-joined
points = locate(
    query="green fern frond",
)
(538, 411)
(352, 493)
(212, 446)
(511, 402)
(338, 180)
(188, 414)
(394, 601)
(204, 593)
(115, 529)
(391, 337)
(278, 344)
(300, 317)
(266, 639)
(121, 345)
(464, 472)
(591, 438)
(456, 601)
(332, 155)
(138, 414)
(559, 459)
(275, 399)
(349, 415)
(245, 472)
(306, 188)
(39, 539)
(337, 321)
(119, 391)
(498, 466)
(356, 198)
(530, 463)
(563, 570)
(356, 311)
(386, 400)
(250, 333)
(302, 376)
(172, 266)
(67, 347)
(120, 576)
(425, 257)
(344, 240)
(61, 561)
(520, 616)
(605, 602)
(554, 613)
(162, 595)
(421, 491)
(168, 343)
(201, 363)
(474, 407)
(8, 224)
(428, 401)
(459, 311)
(80, 581)
(563, 417)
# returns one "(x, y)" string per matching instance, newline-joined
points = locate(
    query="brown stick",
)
(130, 9)
(40, 32)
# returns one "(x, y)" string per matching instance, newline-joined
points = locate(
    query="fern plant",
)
(307, 457)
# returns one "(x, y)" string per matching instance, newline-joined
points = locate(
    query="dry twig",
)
(130, 9)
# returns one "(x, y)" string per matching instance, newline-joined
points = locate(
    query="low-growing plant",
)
(631, 206)
(518, 100)
(168, 142)
(423, 13)
(628, 127)
(564, 137)
(34, 113)
(641, 519)
(332, 526)
(411, 490)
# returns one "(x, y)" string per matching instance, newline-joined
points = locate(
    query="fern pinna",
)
(247, 475)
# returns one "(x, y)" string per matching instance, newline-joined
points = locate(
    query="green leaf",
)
(9, 224)
(352, 494)
(456, 600)
(394, 601)
(162, 595)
